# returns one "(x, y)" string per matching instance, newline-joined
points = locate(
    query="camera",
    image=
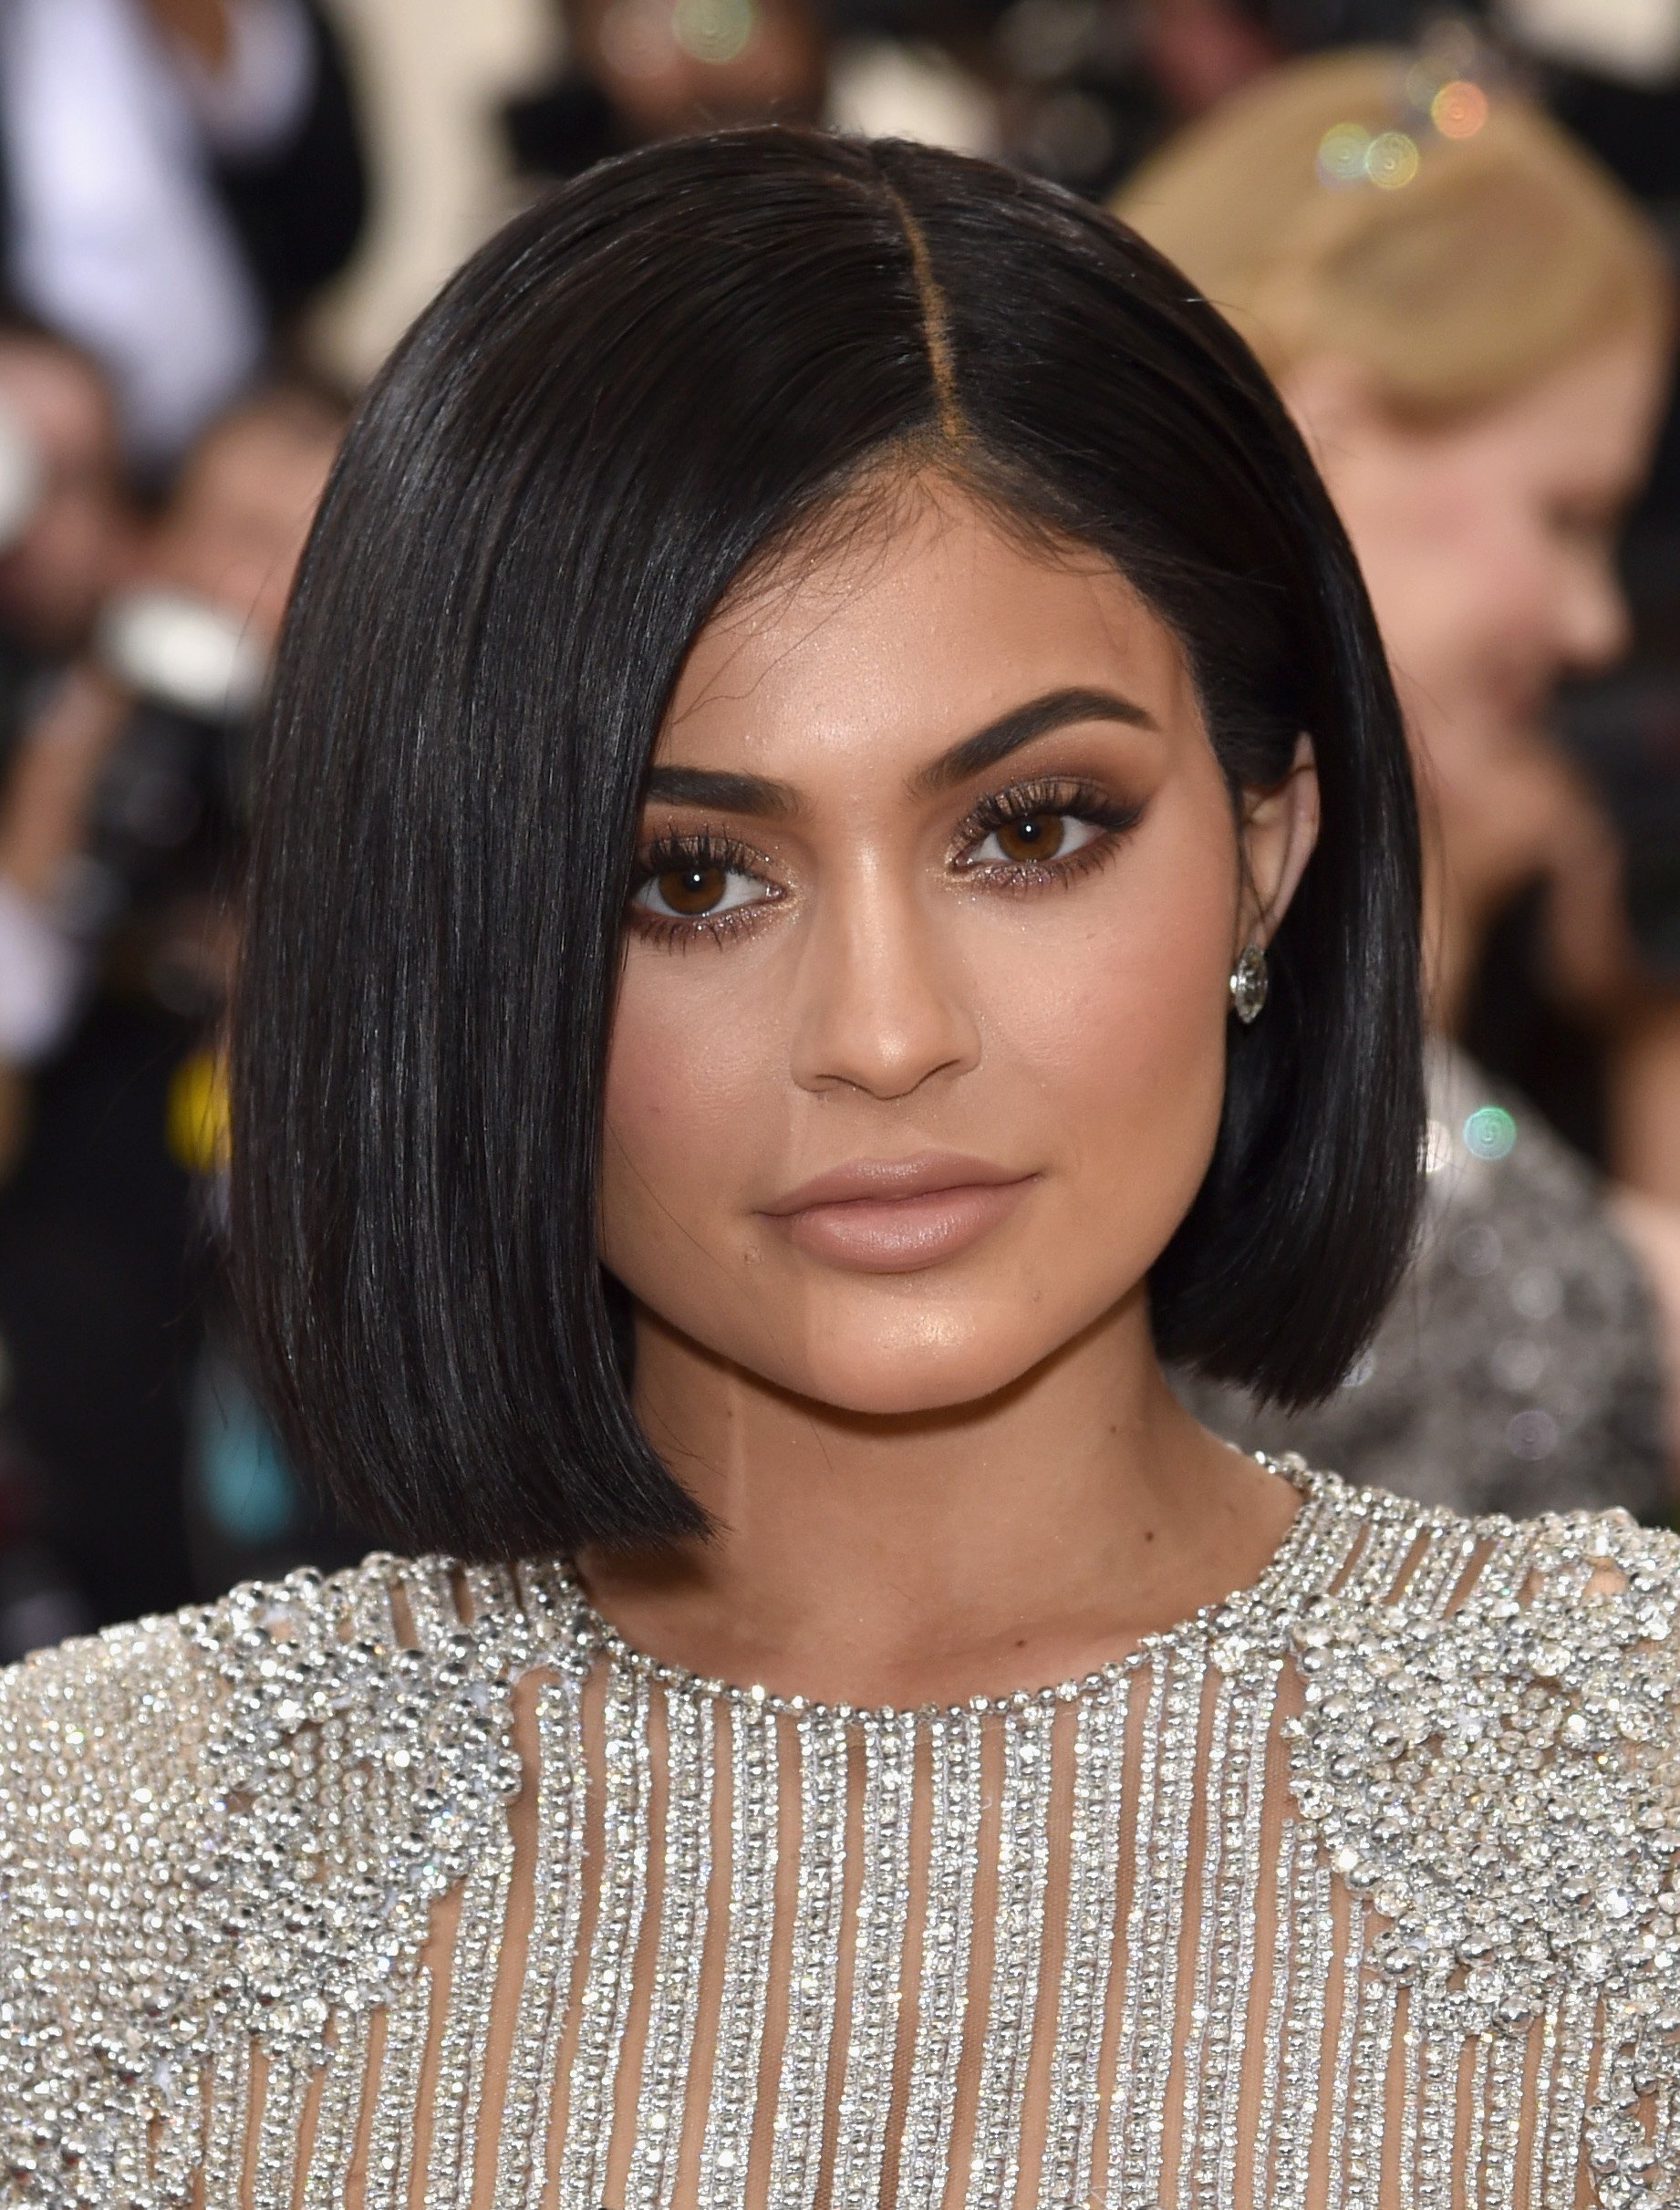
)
(171, 801)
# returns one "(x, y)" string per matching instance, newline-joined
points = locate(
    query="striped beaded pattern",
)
(1358, 1892)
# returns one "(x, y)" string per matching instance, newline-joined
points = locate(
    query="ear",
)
(1277, 831)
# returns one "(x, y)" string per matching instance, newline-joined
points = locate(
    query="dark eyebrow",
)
(725, 794)
(733, 793)
(1037, 718)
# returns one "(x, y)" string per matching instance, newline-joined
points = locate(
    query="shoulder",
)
(1565, 1584)
(103, 1788)
(1491, 1753)
(57, 1697)
(191, 1810)
(103, 1745)
(113, 1745)
(1564, 1628)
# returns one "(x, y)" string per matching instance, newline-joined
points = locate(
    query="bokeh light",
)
(1531, 1435)
(1391, 160)
(1424, 79)
(1341, 153)
(1490, 1132)
(713, 30)
(1458, 109)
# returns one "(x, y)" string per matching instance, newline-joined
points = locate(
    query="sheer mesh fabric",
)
(1078, 1950)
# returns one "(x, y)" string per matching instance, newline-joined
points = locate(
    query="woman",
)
(792, 956)
(1471, 324)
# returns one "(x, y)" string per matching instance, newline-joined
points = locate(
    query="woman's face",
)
(1488, 548)
(919, 1050)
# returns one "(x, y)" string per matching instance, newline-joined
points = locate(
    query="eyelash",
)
(672, 854)
(1078, 801)
(1083, 801)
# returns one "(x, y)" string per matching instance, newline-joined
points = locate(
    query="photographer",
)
(119, 831)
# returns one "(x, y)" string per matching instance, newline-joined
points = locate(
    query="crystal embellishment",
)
(1502, 1784)
(1360, 1891)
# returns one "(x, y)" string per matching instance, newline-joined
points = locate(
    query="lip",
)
(894, 1216)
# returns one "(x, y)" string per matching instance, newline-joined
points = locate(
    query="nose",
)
(882, 1006)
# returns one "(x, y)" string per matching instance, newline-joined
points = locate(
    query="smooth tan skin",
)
(1488, 545)
(969, 1476)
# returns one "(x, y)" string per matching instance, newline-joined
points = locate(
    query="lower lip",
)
(897, 1235)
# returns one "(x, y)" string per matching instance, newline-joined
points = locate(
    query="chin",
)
(937, 1369)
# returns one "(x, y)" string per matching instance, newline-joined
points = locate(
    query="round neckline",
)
(589, 1631)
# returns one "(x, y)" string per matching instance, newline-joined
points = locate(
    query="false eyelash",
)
(697, 848)
(1082, 801)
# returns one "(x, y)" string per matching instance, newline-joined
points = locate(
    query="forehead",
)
(919, 617)
(1594, 415)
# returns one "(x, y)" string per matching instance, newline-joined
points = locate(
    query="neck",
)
(928, 1557)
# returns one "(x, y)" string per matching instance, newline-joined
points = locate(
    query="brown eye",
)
(1045, 835)
(691, 891)
(700, 888)
(1031, 837)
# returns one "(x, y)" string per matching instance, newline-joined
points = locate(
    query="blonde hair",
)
(1448, 237)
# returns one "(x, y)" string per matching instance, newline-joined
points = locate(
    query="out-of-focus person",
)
(126, 850)
(67, 529)
(640, 70)
(66, 521)
(177, 177)
(1093, 87)
(186, 612)
(1472, 324)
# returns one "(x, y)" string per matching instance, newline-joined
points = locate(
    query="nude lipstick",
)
(894, 1216)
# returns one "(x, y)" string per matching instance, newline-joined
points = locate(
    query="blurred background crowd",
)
(1452, 238)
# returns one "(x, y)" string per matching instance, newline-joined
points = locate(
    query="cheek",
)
(686, 1067)
(1469, 604)
(1507, 597)
(1435, 550)
(1115, 1020)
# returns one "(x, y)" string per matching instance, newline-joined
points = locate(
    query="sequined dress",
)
(415, 1886)
(1520, 1368)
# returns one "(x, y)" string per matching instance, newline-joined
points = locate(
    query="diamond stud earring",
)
(1248, 983)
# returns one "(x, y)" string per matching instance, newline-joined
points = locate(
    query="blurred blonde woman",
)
(1472, 324)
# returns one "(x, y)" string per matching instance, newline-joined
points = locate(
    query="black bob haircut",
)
(639, 386)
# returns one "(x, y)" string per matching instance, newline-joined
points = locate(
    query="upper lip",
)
(883, 1179)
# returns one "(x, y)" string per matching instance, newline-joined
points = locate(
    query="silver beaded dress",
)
(415, 1886)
